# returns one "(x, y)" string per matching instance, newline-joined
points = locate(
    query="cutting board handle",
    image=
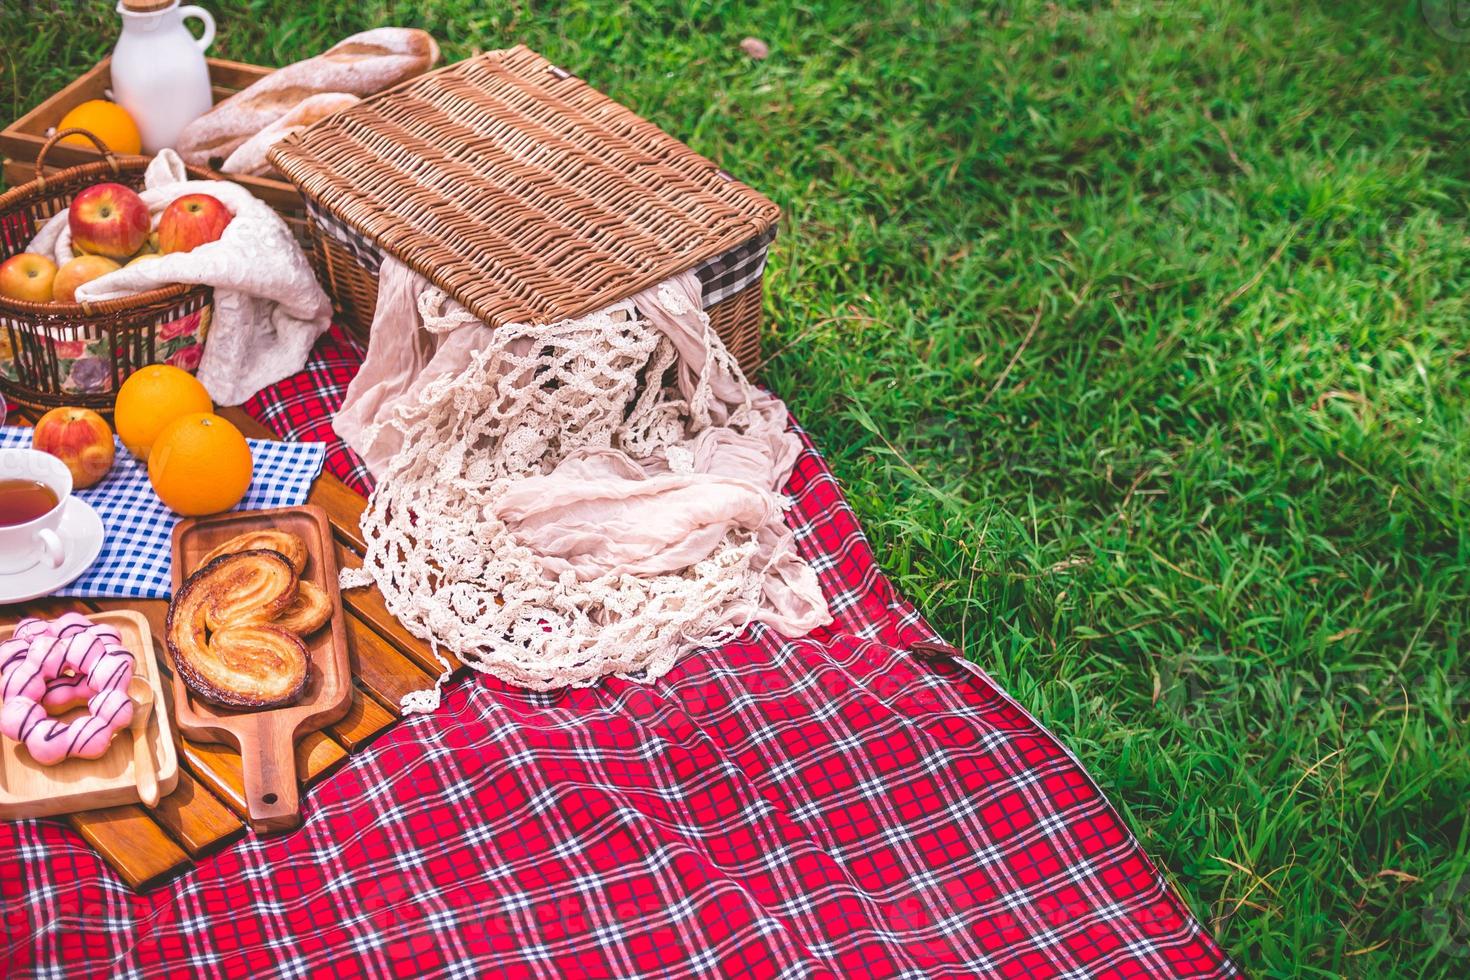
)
(269, 762)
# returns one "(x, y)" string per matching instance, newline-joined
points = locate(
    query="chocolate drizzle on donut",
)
(53, 664)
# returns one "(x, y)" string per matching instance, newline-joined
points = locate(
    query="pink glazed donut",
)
(57, 663)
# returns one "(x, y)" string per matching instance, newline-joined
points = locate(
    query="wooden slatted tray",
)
(207, 810)
(23, 139)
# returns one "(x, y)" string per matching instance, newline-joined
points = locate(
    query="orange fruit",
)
(108, 121)
(200, 465)
(150, 399)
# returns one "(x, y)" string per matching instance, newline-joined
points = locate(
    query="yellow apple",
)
(83, 268)
(27, 276)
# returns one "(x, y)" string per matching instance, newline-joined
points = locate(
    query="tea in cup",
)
(33, 491)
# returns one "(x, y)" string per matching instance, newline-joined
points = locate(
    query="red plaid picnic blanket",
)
(859, 803)
(301, 408)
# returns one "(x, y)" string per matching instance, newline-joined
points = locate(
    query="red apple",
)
(27, 276)
(80, 439)
(83, 268)
(108, 219)
(191, 221)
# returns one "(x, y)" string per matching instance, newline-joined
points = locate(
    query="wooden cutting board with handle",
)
(266, 739)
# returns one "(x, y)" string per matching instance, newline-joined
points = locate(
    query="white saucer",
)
(81, 535)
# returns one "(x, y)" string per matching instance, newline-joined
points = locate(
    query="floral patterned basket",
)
(79, 353)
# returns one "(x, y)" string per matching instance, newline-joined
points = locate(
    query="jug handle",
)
(204, 16)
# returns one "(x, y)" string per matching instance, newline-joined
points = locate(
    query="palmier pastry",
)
(220, 636)
(283, 542)
(253, 591)
(309, 612)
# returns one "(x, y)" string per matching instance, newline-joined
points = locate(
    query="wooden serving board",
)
(29, 789)
(266, 739)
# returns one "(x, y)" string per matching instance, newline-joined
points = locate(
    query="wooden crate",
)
(22, 139)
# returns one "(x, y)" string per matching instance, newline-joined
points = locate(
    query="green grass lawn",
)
(1137, 334)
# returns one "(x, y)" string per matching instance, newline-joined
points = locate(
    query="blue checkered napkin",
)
(137, 546)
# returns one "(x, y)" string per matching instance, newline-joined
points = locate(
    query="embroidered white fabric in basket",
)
(590, 497)
(268, 307)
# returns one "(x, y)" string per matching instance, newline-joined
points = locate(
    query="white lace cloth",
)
(555, 504)
(268, 307)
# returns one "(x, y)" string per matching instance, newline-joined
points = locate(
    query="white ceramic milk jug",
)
(158, 69)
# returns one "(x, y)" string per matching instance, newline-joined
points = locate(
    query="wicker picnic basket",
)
(528, 196)
(79, 353)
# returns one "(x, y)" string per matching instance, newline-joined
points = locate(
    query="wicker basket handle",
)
(62, 134)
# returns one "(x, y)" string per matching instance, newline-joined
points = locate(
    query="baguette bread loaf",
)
(249, 156)
(359, 65)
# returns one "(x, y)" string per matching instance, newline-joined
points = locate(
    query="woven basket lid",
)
(520, 190)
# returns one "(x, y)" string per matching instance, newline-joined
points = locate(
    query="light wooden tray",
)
(23, 139)
(266, 739)
(29, 789)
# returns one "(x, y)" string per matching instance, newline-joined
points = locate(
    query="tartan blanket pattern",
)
(857, 803)
(301, 408)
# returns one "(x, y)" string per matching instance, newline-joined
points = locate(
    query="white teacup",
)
(24, 545)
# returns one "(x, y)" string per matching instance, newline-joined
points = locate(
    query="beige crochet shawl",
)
(558, 503)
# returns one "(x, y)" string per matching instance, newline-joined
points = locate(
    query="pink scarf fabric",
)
(599, 512)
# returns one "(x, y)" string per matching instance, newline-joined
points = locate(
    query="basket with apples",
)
(55, 350)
